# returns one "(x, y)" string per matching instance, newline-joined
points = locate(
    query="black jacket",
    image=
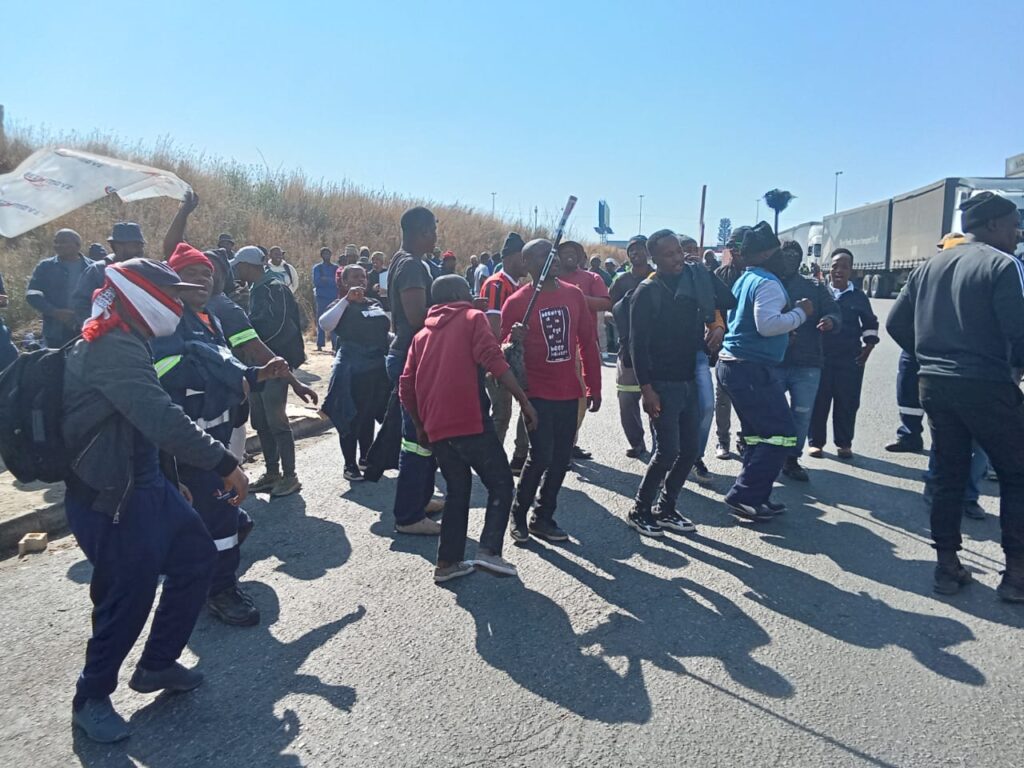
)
(805, 342)
(276, 317)
(962, 314)
(859, 328)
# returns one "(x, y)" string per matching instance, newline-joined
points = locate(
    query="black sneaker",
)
(700, 471)
(352, 474)
(673, 521)
(519, 533)
(973, 510)
(100, 721)
(234, 607)
(793, 470)
(547, 530)
(172, 678)
(579, 453)
(636, 453)
(644, 523)
(516, 465)
(776, 508)
(758, 514)
(905, 446)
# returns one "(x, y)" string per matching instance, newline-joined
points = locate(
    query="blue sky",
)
(535, 100)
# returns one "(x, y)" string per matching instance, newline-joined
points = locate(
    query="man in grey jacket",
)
(131, 521)
(961, 314)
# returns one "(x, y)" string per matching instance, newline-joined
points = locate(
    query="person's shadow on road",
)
(231, 719)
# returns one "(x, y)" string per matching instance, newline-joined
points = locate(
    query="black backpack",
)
(31, 397)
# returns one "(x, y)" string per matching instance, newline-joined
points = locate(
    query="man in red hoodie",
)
(443, 377)
(560, 327)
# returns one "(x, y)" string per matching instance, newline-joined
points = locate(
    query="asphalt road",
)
(811, 641)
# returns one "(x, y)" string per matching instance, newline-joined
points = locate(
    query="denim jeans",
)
(417, 467)
(458, 458)
(767, 424)
(979, 466)
(991, 413)
(723, 415)
(801, 383)
(676, 432)
(548, 460)
(705, 401)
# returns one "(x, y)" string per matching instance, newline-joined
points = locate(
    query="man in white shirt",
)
(285, 272)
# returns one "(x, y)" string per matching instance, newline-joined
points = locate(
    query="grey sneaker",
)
(172, 678)
(266, 482)
(453, 571)
(424, 527)
(495, 564)
(100, 721)
(286, 486)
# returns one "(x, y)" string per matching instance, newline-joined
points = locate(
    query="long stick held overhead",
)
(559, 232)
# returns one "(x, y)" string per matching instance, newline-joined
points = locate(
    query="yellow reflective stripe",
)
(779, 440)
(410, 447)
(165, 364)
(628, 388)
(242, 336)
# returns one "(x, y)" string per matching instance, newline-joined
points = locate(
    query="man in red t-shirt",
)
(572, 257)
(559, 330)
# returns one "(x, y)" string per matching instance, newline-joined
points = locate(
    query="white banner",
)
(53, 182)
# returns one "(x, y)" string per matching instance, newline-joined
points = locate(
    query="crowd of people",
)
(169, 358)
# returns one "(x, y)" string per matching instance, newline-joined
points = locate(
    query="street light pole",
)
(757, 213)
(640, 226)
(493, 195)
(835, 200)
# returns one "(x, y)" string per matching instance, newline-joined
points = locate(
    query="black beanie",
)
(983, 207)
(513, 244)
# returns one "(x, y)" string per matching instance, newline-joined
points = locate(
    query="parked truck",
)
(891, 237)
(808, 235)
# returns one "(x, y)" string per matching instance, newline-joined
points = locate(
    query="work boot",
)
(793, 470)
(234, 607)
(950, 575)
(100, 721)
(172, 678)
(1011, 588)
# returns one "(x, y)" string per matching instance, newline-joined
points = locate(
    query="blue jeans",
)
(321, 307)
(417, 467)
(802, 385)
(767, 424)
(158, 533)
(979, 466)
(705, 401)
(676, 438)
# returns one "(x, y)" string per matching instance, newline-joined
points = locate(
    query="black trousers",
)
(991, 413)
(458, 458)
(550, 453)
(839, 391)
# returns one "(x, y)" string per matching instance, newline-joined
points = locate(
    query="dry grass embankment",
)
(289, 209)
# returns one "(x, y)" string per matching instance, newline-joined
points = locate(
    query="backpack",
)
(620, 311)
(31, 399)
(282, 334)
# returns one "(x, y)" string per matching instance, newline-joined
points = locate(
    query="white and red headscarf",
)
(136, 288)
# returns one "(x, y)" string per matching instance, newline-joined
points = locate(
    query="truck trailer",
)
(890, 238)
(808, 235)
